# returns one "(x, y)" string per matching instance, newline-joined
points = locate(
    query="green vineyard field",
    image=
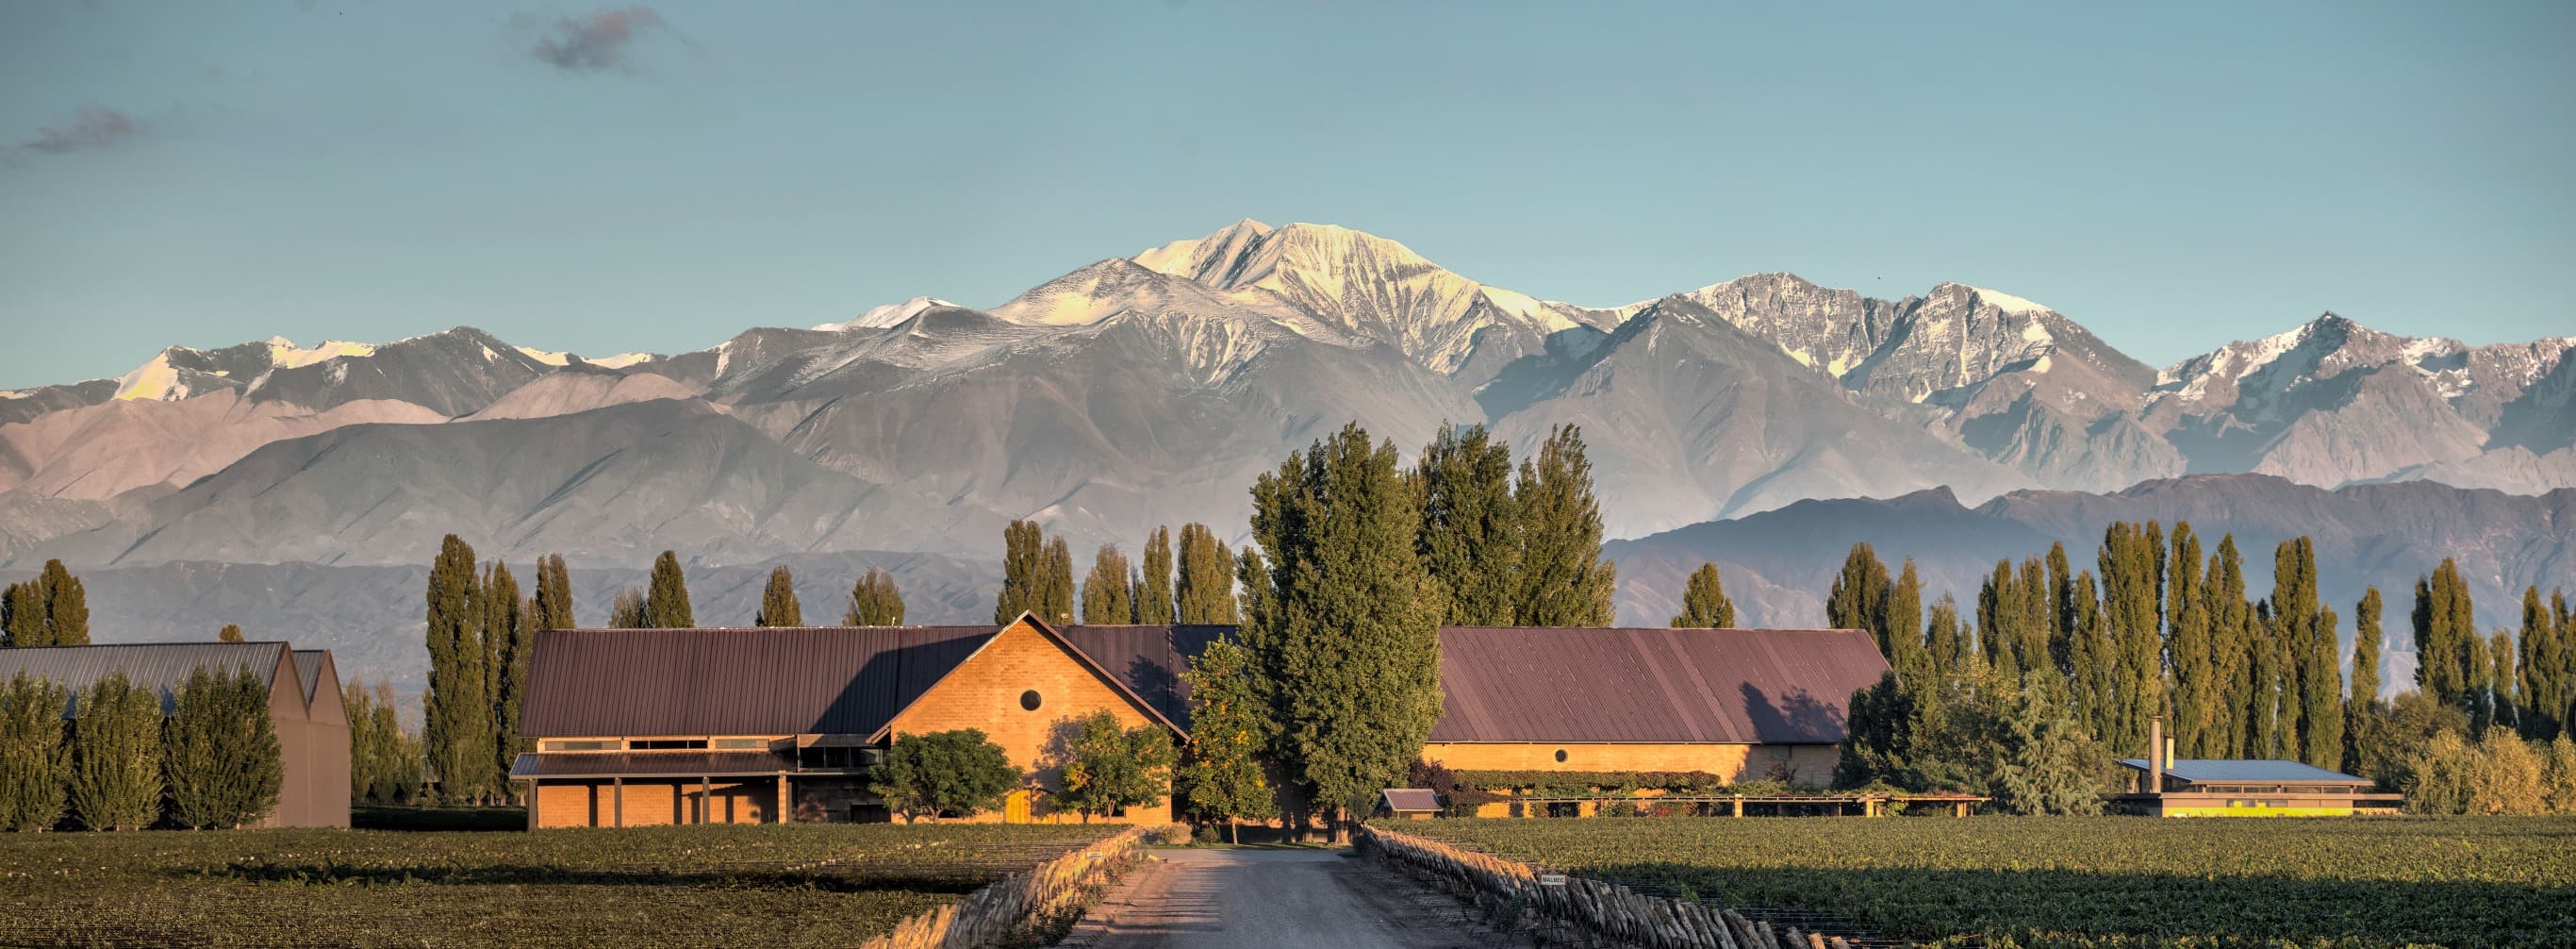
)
(771, 886)
(2094, 882)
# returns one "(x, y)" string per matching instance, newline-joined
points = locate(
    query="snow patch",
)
(620, 361)
(2007, 302)
(549, 358)
(155, 380)
(885, 316)
(284, 354)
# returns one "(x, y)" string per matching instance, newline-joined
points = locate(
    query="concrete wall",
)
(984, 693)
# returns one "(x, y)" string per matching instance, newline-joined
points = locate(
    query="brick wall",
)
(1807, 764)
(984, 693)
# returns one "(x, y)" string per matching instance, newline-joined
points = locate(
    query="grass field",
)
(2097, 882)
(764, 886)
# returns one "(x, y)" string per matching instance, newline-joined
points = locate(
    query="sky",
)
(604, 179)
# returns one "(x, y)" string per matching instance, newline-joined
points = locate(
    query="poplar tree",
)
(221, 754)
(1902, 615)
(456, 710)
(1999, 617)
(35, 768)
(1055, 584)
(1859, 596)
(2193, 690)
(1704, 602)
(22, 616)
(778, 606)
(2445, 633)
(2059, 621)
(2037, 623)
(1205, 587)
(1471, 538)
(66, 606)
(2294, 624)
(1564, 581)
(874, 601)
(1106, 591)
(1945, 640)
(626, 611)
(2130, 605)
(1023, 559)
(2095, 680)
(2361, 711)
(1221, 779)
(2503, 704)
(2543, 700)
(1154, 587)
(552, 608)
(2230, 625)
(508, 639)
(666, 598)
(1348, 631)
(116, 756)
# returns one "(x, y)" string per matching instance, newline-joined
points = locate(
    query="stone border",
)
(1605, 910)
(992, 915)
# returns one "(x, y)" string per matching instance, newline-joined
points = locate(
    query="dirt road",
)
(1267, 899)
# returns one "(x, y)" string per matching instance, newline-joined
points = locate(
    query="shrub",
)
(1107, 769)
(1168, 835)
(953, 772)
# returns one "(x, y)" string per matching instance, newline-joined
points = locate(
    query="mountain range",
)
(1151, 389)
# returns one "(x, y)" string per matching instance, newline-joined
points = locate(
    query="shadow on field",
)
(317, 874)
(2049, 906)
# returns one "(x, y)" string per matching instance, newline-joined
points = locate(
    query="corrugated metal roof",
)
(1410, 799)
(760, 681)
(163, 667)
(1149, 659)
(308, 670)
(600, 764)
(2274, 770)
(1773, 686)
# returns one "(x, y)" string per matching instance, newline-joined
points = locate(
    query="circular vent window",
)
(1029, 700)
(1560, 756)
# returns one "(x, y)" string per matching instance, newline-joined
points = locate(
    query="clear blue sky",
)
(2172, 176)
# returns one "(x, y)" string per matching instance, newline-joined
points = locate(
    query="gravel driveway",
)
(1299, 898)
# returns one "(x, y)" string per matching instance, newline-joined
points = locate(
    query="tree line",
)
(118, 762)
(1193, 585)
(50, 610)
(2064, 664)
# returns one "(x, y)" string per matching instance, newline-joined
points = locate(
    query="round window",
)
(1029, 700)
(1560, 756)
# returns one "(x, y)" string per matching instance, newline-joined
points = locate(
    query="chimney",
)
(2156, 755)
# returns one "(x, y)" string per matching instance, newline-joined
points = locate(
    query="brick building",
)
(659, 726)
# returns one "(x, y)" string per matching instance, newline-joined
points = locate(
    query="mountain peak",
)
(890, 314)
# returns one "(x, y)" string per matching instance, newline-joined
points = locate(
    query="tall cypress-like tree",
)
(1704, 602)
(2060, 617)
(1023, 560)
(553, 606)
(2193, 689)
(35, 767)
(1154, 586)
(22, 616)
(116, 756)
(2294, 624)
(2096, 676)
(2539, 665)
(1107, 591)
(456, 710)
(874, 601)
(2262, 696)
(1349, 637)
(1564, 581)
(666, 599)
(2366, 635)
(778, 605)
(2129, 558)
(2037, 621)
(1945, 640)
(2503, 703)
(1471, 538)
(2223, 598)
(1859, 595)
(66, 605)
(1999, 617)
(221, 754)
(1230, 726)
(1055, 583)
(1205, 587)
(1902, 615)
(2445, 634)
(507, 640)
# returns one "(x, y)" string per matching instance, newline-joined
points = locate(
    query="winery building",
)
(303, 704)
(764, 725)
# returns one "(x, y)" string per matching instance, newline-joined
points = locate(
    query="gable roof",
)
(1116, 683)
(2271, 770)
(308, 670)
(1528, 684)
(1409, 799)
(162, 667)
(760, 681)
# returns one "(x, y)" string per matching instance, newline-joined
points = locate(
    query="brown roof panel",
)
(1149, 659)
(595, 764)
(761, 681)
(1516, 684)
(161, 667)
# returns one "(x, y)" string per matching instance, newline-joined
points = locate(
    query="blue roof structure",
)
(2207, 770)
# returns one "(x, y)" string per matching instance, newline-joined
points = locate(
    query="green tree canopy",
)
(1221, 777)
(778, 606)
(955, 773)
(116, 781)
(1470, 539)
(1205, 588)
(1108, 769)
(1153, 594)
(457, 708)
(1704, 602)
(666, 598)
(35, 767)
(1023, 560)
(1108, 592)
(875, 601)
(221, 755)
(1564, 580)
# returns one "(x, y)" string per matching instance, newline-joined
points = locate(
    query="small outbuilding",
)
(2160, 786)
(1408, 803)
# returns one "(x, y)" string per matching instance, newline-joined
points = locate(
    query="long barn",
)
(768, 725)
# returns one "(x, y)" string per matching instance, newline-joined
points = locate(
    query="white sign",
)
(1551, 879)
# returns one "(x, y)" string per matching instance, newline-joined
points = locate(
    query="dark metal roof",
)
(1410, 799)
(1772, 686)
(762, 681)
(162, 667)
(606, 764)
(2273, 771)
(308, 669)
(1149, 659)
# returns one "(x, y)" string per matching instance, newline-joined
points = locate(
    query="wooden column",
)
(617, 802)
(706, 799)
(1739, 806)
(782, 798)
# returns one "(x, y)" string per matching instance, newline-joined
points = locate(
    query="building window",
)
(601, 744)
(667, 744)
(756, 743)
(1029, 700)
(1560, 756)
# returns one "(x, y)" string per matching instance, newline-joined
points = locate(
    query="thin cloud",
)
(595, 42)
(94, 127)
